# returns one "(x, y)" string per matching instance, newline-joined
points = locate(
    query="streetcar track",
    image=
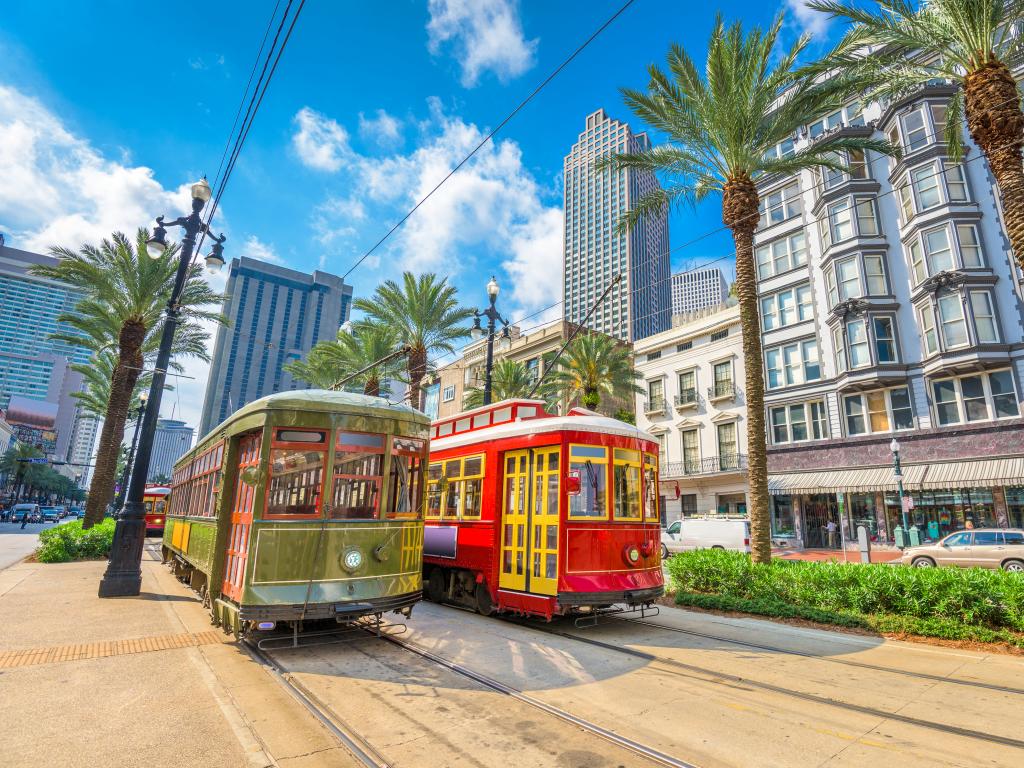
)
(360, 748)
(731, 680)
(833, 660)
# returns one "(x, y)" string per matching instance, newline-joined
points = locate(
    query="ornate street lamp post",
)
(123, 576)
(139, 413)
(477, 332)
(894, 446)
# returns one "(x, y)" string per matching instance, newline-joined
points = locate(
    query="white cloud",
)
(320, 142)
(814, 23)
(255, 248)
(332, 219)
(486, 35)
(384, 130)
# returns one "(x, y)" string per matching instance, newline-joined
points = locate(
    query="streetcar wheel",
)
(435, 586)
(484, 606)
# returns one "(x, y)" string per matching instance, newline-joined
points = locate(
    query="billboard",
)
(33, 422)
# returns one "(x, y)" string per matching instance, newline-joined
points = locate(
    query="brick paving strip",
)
(27, 657)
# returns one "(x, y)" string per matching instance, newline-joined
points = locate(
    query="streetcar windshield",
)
(627, 484)
(358, 474)
(590, 464)
(405, 497)
(296, 473)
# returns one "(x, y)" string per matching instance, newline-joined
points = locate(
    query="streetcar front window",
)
(588, 464)
(651, 511)
(626, 475)
(296, 473)
(406, 484)
(358, 474)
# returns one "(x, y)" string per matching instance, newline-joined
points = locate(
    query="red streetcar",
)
(155, 500)
(538, 514)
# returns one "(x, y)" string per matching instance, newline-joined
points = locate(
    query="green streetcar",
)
(302, 506)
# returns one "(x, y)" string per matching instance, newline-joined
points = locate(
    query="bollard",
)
(863, 544)
(901, 537)
(915, 536)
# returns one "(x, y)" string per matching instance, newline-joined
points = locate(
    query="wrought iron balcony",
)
(655, 405)
(727, 462)
(686, 399)
(722, 390)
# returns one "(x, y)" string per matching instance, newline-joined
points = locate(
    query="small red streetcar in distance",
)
(155, 500)
(543, 515)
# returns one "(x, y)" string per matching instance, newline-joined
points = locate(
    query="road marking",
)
(27, 657)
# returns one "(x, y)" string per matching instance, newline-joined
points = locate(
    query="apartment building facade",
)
(891, 307)
(693, 404)
(595, 252)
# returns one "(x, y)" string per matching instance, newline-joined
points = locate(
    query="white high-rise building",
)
(698, 289)
(595, 252)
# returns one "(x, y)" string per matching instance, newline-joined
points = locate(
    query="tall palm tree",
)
(15, 467)
(594, 365)
(331, 361)
(509, 379)
(969, 42)
(426, 317)
(722, 125)
(126, 293)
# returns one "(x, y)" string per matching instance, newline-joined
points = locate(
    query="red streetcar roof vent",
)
(583, 412)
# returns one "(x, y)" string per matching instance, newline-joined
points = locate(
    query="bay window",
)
(883, 410)
(975, 397)
(798, 422)
(844, 278)
(970, 248)
(781, 256)
(857, 343)
(915, 130)
(885, 340)
(926, 187)
(854, 161)
(848, 218)
(934, 251)
(952, 321)
(928, 335)
(984, 317)
(856, 338)
(933, 184)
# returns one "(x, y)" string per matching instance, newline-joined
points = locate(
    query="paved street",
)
(17, 542)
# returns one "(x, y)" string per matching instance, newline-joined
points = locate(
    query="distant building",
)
(32, 364)
(172, 440)
(276, 316)
(83, 444)
(696, 289)
(595, 252)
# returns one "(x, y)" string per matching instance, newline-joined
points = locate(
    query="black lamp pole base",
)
(123, 577)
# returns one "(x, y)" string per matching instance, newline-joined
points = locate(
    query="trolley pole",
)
(491, 313)
(123, 577)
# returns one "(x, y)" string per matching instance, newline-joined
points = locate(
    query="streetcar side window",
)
(626, 476)
(462, 488)
(296, 476)
(358, 475)
(588, 465)
(434, 490)
(406, 484)
(651, 511)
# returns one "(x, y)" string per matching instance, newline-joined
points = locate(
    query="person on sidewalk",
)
(24, 519)
(831, 529)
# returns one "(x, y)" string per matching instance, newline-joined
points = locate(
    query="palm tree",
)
(722, 125)
(509, 379)
(331, 361)
(126, 293)
(969, 42)
(424, 314)
(15, 467)
(594, 365)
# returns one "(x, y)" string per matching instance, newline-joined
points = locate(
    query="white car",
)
(706, 533)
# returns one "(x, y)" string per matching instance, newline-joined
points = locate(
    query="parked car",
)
(76, 512)
(980, 548)
(706, 533)
(21, 510)
(50, 514)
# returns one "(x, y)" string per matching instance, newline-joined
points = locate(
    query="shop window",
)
(405, 494)
(626, 487)
(588, 469)
(783, 520)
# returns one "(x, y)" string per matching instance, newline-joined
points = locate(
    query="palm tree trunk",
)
(417, 370)
(372, 386)
(739, 213)
(996, 122)
(122, 386)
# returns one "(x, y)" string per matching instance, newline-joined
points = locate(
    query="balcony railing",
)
(722, 390)
(655, 405)
(727, 462)
(686, 398)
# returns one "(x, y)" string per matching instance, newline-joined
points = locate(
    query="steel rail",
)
(360, 748)
(830, 659)
(592, 728)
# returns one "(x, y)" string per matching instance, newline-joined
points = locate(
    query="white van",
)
(706, 533)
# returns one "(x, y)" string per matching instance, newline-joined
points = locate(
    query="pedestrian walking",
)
(830, 528)
(24, 519)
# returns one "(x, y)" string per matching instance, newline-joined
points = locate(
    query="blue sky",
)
(108, 109)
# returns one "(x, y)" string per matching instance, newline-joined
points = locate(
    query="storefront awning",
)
(984, 473)
(852, 480)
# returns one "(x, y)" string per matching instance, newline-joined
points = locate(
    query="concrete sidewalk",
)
(143, 681)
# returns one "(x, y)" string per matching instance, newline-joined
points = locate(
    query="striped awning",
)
(850, 480)
(982, 473)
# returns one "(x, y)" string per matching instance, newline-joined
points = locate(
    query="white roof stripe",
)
(599, 424)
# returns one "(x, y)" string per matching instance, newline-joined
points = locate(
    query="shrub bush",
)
(67, 542)
(972, 596)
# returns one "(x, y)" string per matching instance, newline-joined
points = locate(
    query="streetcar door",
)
(514, 520)
(241, 517)
(544, 522)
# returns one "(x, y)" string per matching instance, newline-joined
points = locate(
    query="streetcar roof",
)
(323, 400)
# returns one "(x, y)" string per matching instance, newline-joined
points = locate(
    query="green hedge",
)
(66, 542)
(973, 596)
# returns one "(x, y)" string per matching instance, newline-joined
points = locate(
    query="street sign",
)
(38, 461)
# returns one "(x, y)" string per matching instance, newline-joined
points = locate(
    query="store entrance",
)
(821, 522)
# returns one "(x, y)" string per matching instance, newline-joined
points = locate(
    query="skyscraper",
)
(32, 364)
(594, 252)
(172, 439)
(276, 315)
(697, 289)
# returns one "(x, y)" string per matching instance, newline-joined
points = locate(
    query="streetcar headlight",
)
(632, 554)
(352, 560)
